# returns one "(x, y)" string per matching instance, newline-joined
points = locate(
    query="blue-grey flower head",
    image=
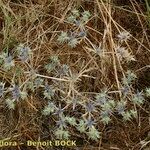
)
(23, 52)
(90, 107)
(90, 122)
(61, 123)
(16, 92)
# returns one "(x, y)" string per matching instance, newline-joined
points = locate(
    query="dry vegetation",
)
(75, 69)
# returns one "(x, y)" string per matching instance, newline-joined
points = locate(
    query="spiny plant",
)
(102, 107)
(71, 107)
(78, 19)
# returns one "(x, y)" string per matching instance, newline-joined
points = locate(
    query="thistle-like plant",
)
(133, 113)
(121, 106)
(127, 116)
(73, 42)
(35, 83)
(50, 108)
(93, 133)
(38, 82)
(130, 77)
(123, 36)
(125, 90)
(101, 98)
(71, 120)
(59, 111)
(10, 103)
(90, 122)
(81, 126)
(105, 117)
(75, 12)
(73, 38)
(63, 70)
(61, 123)
(24, 52)
(89, 107)
(8, 62)
(63, 37)
(71, 18)
(48, 91)
(108, 106)
(54, 61)
(17, 93)
(124, 55)
(138, 98)
(85, 16)
(61, 133)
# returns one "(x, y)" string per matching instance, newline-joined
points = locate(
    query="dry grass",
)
(37, 24)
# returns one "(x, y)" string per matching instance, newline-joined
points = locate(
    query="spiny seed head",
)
(16, 93)
(138, 98)
(50, 108)
(71, 120)
(130, 77)
(127, 116)
(59, 111)
(73, 42)
(63, 37)
(38, 82)
(49, 91)
(24, 54)
(124, 36)
(54, 59)
(81, 126)
(101, 98)
(105, 117)
(10, 104)
(125, 90)
(133, 113)
(105, 114)
(61, 133)
(61, 123)
(75, 12)
(8, 59)
(90, 107)
(90, 122)
(121, 107)
(108, 107)
(64, 70)
(124, 54)
(8, 62)
(93, 133)
(71, 18)
(85, 16)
